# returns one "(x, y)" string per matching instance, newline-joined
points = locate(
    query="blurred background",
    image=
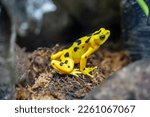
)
(44, 23)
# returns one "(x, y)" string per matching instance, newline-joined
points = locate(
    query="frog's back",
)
(79, 47)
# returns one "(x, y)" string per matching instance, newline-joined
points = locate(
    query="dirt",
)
(38, 80)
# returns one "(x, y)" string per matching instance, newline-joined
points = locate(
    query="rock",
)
(135, 29)
(7, 63)
(132, 82)
(27, 15)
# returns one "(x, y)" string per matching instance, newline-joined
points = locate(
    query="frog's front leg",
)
(83, 62)
(65, 67)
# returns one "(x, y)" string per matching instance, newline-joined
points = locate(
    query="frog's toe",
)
(88, 70)
(75, 72)
(93, 68)
(89, 75)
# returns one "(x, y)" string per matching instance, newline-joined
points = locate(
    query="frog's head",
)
(101, 35)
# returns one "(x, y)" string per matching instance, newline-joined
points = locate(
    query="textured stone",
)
(135, 29)
(132, 82)
(7, 71)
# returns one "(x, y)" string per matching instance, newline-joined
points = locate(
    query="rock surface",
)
(135, 29)
(7, 72)
(132, 82)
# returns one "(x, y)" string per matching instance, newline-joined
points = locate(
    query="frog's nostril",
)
(108, 32)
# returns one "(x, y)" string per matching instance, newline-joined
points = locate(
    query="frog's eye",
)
(102, 37)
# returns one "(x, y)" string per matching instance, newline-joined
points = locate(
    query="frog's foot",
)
(75, 72)
(87, 71)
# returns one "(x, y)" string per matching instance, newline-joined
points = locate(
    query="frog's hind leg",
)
(57, 55)
(65, 67)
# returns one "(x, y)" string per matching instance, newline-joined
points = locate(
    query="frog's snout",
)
(108, 32)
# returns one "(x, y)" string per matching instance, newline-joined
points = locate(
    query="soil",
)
(38, 80)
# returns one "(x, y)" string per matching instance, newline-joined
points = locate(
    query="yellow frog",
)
(63, 61)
